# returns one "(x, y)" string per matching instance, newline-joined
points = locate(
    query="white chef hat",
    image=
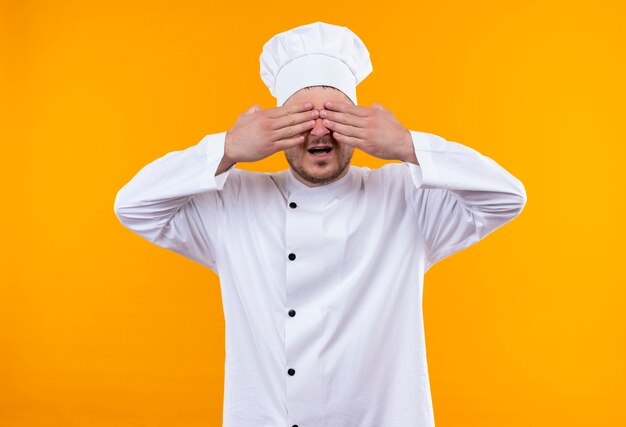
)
(314, 55)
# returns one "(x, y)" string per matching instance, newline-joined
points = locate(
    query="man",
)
(321, 266)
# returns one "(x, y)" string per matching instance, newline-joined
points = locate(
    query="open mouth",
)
(320, 152)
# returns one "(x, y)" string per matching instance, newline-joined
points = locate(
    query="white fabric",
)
(311, 55)
(362, 246)
(314, 70)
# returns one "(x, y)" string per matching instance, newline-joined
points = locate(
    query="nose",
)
(319, 129)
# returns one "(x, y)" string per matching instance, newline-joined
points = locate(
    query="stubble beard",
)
(324, 179)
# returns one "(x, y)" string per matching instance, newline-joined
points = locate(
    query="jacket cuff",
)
(214, 144)
(426, 173)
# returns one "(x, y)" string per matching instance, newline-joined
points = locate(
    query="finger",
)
(288, 109)
(343, 107)
(377, 106)
(285, 144)
(293, 119)
(289, 131)
(345, 118)
(349, 140)
(345, 129)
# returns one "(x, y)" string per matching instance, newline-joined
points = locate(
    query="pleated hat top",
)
(314, 55)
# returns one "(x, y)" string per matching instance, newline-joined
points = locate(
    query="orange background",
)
(100, 328)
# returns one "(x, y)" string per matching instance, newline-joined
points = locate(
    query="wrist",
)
(228, 155)
(409, 152)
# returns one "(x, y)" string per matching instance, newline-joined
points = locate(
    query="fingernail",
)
(323, 113)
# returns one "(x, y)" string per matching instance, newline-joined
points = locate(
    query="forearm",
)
(454, 166)
(482, 187)
(160, 189)
(459, 195)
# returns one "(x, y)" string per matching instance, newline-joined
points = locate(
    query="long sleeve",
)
(174, 201)
(459, 195)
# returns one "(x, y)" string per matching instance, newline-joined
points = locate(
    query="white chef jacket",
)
(322, 287)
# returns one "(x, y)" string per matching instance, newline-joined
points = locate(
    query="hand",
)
(259, 133)
(374, 130)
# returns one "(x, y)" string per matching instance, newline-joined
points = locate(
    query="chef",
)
(322, 265)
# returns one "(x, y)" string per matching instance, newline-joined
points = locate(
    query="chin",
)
(318, 172)
(320, 177)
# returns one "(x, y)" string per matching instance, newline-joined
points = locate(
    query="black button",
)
(292, 312)
(293, 205)
(291, 372)
(295, 425)
(292, 256)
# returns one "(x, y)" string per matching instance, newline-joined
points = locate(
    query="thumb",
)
(377, 106)
(253, 109)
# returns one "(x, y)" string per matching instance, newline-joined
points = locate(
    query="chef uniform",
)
(322, 286)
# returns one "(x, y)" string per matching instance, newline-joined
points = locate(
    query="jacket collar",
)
(334, 190)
